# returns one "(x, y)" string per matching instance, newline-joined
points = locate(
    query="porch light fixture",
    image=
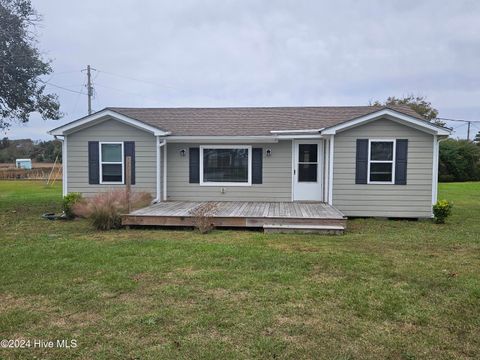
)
(269, 152)
(183, 152)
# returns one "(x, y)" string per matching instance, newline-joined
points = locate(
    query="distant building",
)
(23, 164)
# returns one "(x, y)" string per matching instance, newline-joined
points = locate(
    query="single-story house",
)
(362, 160)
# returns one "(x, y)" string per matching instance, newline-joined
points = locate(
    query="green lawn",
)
(386, 289)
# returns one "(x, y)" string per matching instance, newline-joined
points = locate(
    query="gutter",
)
(306, 131)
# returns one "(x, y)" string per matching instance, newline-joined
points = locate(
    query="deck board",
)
(240, 214)
(244, 209)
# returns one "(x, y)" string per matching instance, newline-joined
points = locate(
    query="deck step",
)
(298, 228)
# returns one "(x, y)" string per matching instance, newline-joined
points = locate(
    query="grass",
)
(386, 289)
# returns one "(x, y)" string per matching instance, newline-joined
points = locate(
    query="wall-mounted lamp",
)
(183, 152)
(269, 152)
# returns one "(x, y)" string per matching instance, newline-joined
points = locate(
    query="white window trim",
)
(101, 162)
(208, 183)
(382, 161)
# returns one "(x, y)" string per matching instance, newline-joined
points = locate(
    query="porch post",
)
(159, 195)
(330, 170)
(165, 170)
(326, 156)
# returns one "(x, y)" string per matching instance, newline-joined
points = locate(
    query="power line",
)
(468, 122)
(461, 120)
(63, 88)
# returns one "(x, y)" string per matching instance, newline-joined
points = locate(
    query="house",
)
(364, 161)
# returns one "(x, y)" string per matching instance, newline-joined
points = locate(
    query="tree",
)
(4, 143)
(459, 161)
(22, 90)
(419, 104)
(41, 151)
(477, 138)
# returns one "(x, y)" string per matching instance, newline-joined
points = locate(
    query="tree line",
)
(38, 151)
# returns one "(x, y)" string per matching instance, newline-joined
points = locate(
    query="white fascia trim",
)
(70, 127)
(299, 137)
(222, 139)
(422, 124)
(296, 131)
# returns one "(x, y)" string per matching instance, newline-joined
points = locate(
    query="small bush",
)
(441, 210)
(69, 201)
(202, 217)
(104, 209)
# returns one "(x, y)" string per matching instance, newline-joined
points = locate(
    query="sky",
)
(215, 53)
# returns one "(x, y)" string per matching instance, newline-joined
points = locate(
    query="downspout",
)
(64, 163)
(436, 155)
(158, 146)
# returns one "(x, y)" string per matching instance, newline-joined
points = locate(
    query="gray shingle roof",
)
(249, 121)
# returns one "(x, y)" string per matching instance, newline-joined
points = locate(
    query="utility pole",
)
(89, 87)
(468, 132)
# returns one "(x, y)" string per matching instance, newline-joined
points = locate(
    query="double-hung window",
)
(381, 161)
(111, 163)
(226, 165)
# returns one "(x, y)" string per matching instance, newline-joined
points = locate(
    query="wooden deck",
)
(271, 216)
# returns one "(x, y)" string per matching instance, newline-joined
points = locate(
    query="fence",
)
(37, 173)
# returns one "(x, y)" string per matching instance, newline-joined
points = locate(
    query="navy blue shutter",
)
(401, 156)
(361, 168)
(93, 163)
(129, 150)
(257, 165)
(194, 165)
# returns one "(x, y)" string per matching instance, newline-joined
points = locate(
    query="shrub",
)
(69, 201)
(202, 217)
(441, 210)
(104, 209)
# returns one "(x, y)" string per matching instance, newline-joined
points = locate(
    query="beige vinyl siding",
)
(110, 130)
(411, 200)
(276, 186)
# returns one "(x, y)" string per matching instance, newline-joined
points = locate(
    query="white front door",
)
(307, 170)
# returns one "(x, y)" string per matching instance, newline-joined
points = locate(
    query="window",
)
(225, 165)
(307, 162)
(111, 163)
(381, 163)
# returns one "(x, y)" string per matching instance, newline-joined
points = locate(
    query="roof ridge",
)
(249, 107)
